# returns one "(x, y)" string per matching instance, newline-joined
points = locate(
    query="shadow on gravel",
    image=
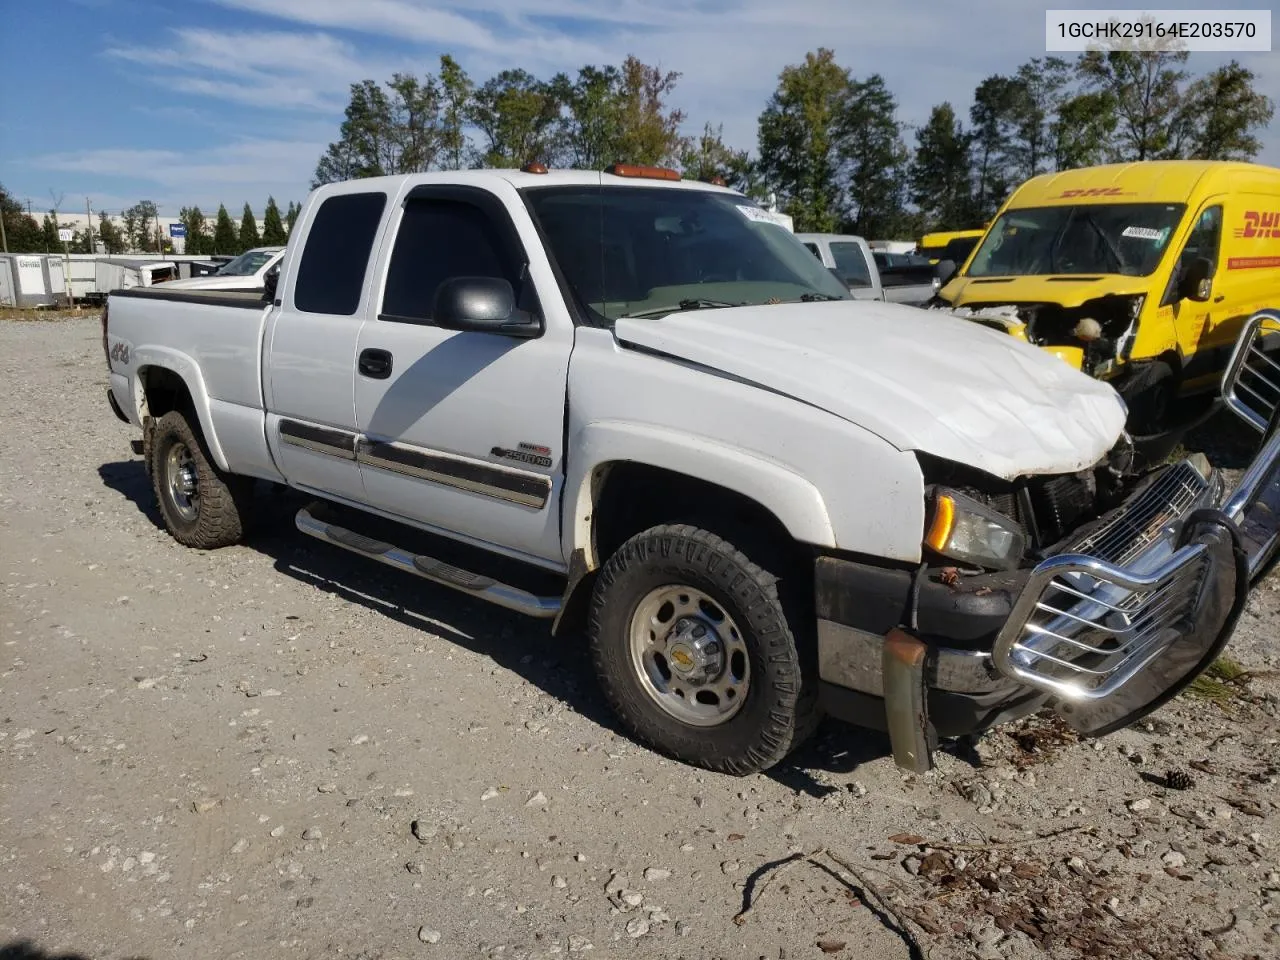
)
(560, 667)
(26, 950)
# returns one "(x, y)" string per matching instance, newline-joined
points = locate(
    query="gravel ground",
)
(280, 750)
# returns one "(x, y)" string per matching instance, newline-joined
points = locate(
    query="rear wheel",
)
(696, 655)
(202, 506)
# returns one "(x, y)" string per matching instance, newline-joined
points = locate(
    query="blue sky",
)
(208, 101)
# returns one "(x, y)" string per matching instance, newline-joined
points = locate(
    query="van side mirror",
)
(1196, 282)
(944, 270)
(481, 305)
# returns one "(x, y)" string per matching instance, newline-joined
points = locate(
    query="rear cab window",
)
(335, 260)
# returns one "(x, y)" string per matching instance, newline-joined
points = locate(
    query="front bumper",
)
(1106, 631)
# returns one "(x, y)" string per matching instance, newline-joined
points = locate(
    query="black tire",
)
(1149, 393)
(779, 709)
(219, 511)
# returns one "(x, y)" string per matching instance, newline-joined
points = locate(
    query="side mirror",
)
(1196, 282)
(943, 271)
(270, 280)
(481, 305)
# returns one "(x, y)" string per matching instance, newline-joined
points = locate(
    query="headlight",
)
(966, 531)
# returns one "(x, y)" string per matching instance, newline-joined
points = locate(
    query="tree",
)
(198, 241)
(517, 114)
(414, 124)
(139, 224)
(1036, 92)
(939, 174)
(49, 233)
(873, 158)
(112, 240)
(1146, 88)
(456, 90)
(707, 156)
(620, 115)
(22, 233)
(648, 130)
(992, 117)
(291, 217)
(248, 230)
(591, 126)
(1082, 130)
(273, 234)
(225, 238)
(799, 156)
(361, 146)
(1222, 112)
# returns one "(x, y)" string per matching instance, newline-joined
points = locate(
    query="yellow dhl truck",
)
(1140, 273)
(953, 245)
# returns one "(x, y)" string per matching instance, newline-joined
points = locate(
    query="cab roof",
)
(517, 178)
(1148, 181)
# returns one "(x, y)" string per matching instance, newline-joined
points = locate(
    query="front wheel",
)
(695, 653)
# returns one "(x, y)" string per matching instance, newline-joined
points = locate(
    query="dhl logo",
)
(1093, 192)
(1259, 223)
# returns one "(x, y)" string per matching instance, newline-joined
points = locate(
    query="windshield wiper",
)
(814, 297)
(699, 303)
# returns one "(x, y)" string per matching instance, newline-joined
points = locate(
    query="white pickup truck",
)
(634, 404)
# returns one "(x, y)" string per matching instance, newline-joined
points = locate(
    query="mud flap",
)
(1203, 633)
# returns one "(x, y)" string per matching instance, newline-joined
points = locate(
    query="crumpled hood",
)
(1065, 290)
(922, 380)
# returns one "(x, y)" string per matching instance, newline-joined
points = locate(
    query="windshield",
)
(648, 251)
(1123, 238)
(247, 264)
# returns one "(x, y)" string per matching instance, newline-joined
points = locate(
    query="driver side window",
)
(1204, 240)
(437, 241)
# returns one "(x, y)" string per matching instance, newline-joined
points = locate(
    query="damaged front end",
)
(1093, 336)
(1124, 587)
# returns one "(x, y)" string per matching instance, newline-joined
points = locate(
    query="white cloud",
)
(231, 174)
(279, 70)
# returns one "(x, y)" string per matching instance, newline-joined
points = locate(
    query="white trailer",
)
(31, 280)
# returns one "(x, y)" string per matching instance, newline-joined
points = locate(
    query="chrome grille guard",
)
(1133, 611)
(1251, 390)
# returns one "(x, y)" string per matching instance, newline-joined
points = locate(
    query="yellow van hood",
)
(1064, 290)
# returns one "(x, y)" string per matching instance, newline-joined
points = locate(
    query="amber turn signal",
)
(649, 173)
(944, 520)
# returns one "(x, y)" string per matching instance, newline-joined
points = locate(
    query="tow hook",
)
(906, 706)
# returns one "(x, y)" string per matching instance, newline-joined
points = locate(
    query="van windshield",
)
(1121, 238)
(649, 251)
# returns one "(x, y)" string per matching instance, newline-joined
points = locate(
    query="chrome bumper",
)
(1130, 614)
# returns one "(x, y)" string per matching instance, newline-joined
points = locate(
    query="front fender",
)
(791, 498)
(146, 357)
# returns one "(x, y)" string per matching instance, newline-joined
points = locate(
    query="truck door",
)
(464, 431)
(309, 353)
(1200, 325)
(852, 266)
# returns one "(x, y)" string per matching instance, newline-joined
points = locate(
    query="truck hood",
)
(215, 283)
(920, 380)
(1065, 290)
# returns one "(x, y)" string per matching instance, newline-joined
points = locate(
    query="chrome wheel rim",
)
(181, 480)
(689, 656)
